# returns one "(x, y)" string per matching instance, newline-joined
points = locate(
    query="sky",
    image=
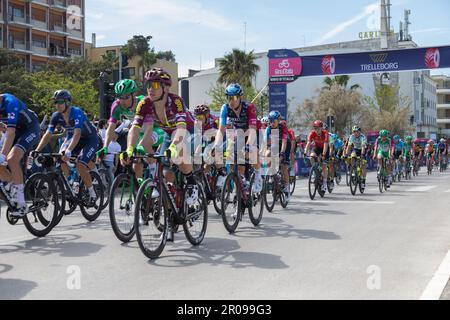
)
(199, 31)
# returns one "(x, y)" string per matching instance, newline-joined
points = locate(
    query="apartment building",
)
(42, 31)
(443, 106)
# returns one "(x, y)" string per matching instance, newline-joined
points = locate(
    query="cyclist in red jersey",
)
(320, 138)
(171, 115)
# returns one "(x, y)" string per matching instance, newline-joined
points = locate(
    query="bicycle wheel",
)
(91, 211)
(122, 207)
(231, 203)
(61, 192)
(256, 205)
(196, 219)
(270, 194)
(42, 199)
(353, 181)
(217, 191)
(292, 181)
(150, 221)
(107, 183)
(312, 185)
(11, 220)
(347, 176)
(338, 178)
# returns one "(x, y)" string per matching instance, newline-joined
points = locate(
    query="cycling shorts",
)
(27, 138)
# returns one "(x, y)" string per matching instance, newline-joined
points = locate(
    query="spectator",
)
(101, 128)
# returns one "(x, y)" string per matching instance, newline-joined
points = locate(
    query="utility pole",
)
(245, 36)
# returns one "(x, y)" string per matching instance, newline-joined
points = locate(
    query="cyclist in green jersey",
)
(383, 151)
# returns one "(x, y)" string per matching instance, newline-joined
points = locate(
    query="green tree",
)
(341, 81)
(217, 94)
(45, 83)
(238, 66)
(137, 46)
(166, 55)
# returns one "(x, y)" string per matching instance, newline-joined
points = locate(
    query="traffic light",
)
(108, 98)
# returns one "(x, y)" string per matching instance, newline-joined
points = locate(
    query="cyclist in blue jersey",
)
(397, 151)
(82, 139)
(336, 146)
(22, 135)
(239, 115)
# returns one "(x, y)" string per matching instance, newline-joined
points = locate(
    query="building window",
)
(41, 43)
(132, 72)
(17, 12)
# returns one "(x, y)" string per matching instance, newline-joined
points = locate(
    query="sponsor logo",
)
(379, 57)
(328, 65)
(432, 58)
(379, 63)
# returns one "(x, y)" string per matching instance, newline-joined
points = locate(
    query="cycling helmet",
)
(396, 138)
(159, 75)
(409, 139)
(126, 86)
(318, 124)
(201, 110)
(356, 128)
(384, 133)
(265, 120)
(233, 89)
(416, 141)
(442, 140)
(274, 115)
(62, 95)
(431, 141)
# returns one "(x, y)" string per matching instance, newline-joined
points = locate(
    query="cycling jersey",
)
(118, 112)
(429, 148)
(383, 147)
(16, 113)
(212, 122)
(176, 113)
(399, 146)
(245, 119)
(358, 143)
(407, 149)
(441, 147)
(282, 133)
(77, 120)
(319, 140)
(417, 148)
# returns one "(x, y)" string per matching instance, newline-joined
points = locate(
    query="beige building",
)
(42, 31)
(136, 71)
(443, 104)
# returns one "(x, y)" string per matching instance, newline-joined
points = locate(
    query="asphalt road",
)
(370, 246)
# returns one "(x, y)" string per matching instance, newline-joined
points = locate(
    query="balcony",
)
(41, 2)
(57, 52)
(59, 29)
(74, 53)
(443, 91)
(40, 51)
(39, 24)
(20, 21)
(60, 5)
(19, 45)
(443, 106)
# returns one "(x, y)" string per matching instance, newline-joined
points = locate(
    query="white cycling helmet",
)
(265, 120)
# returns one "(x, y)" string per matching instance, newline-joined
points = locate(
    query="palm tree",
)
(148, 59)
(341, 81)
(238, 66)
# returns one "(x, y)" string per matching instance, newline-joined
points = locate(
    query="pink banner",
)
(285, 67)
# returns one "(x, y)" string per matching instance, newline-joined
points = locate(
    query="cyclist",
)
(21, 136)
(238, 114)
(320, 138)
(359, 143)
(408, 149)
(336, 147)
(418, 153)
(265, 123)
(430, 152)
(82, 140)
(397, 152)
(441, 149)
(293, 149)
(284, 146)
(169, 112)
(383, 151)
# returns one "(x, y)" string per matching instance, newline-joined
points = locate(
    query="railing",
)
(57, 52)
(18, 44)
(76, 33)
(39, 24)
(58, 27)
(74, 52)
(41, 1)
(59, 3)
(13, 18)
(40, 50)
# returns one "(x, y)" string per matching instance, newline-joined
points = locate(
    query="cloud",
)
(176, 11)
(366, 12)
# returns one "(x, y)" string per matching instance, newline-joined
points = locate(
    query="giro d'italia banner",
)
(286, 65)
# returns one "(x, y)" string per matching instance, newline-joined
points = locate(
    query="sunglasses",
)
(125, 97)
(233, 98)
(155, 85)
(59, 102)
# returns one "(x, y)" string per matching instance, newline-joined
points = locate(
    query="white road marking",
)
(421, 189)
(346, 202)
(448, 191)
(440, 279)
